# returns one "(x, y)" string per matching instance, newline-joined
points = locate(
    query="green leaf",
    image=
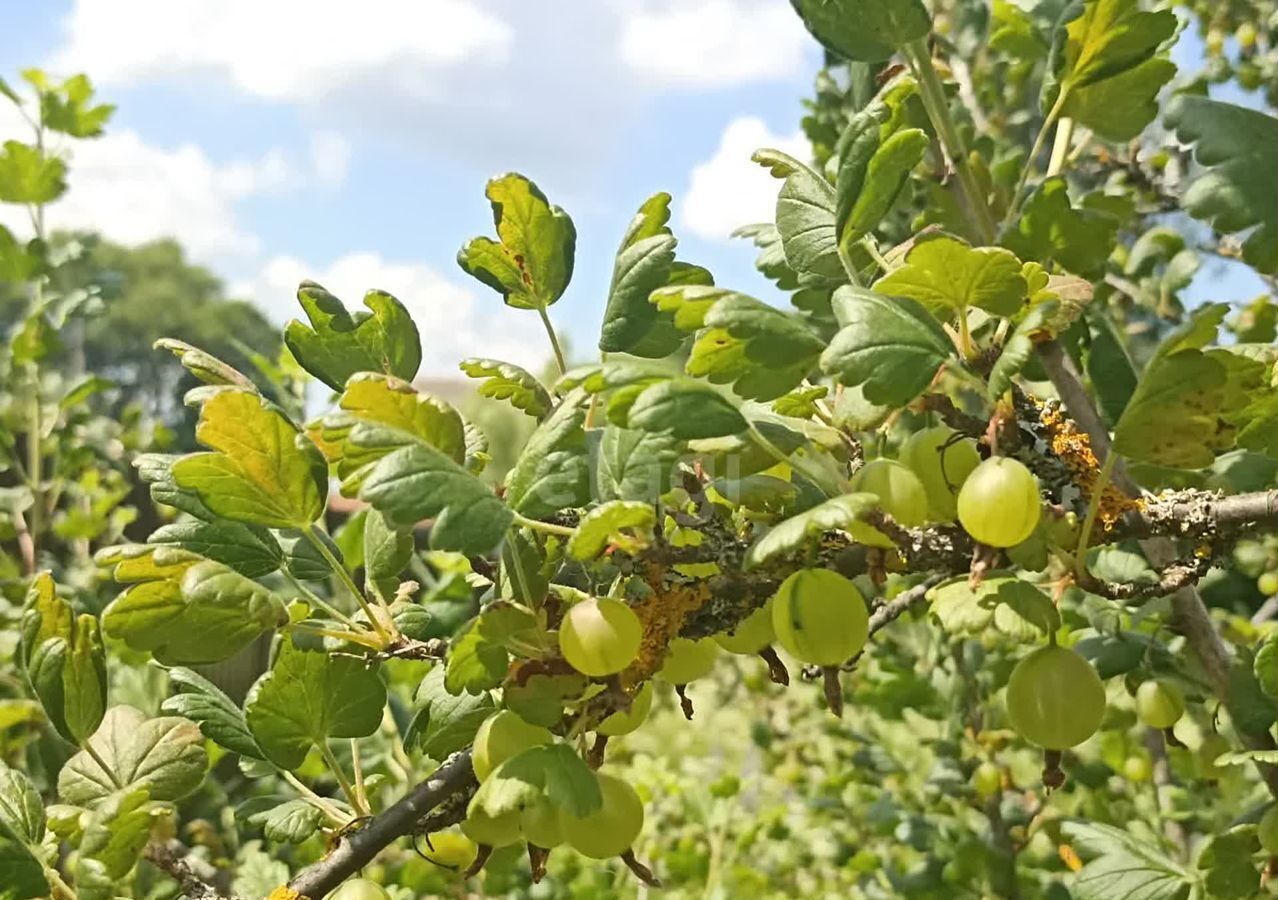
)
(263, 471)
(217, 716)
(475, 664)
(800, 403)
(165, 756)
(67, 108)
(446, 722)
(1174, 417)
(1238, 147)
(761, 350)
(27, 176)
(204, 365)
(865, 30)
(21, 810)
(397, 404)
(686, 410)
(1109, 367)
(22, 837)
(506, 381)
(553, 469)
(635, 465)
(530, 263)
(84, 680)
(1015, 607)
(877, 160)
(1106, 64)
(387, 550)
(248, 549)
(337, 344)
(805, 216)
(1229, 861)
(797, 532)
(290, 822)
(19, 262)
(200, 612)
(116, 832)
(257, 873)
(608, 523)
(540, 699)
(645, 262)
(553, 771)
(1266, 665)
(1120, 867)
(309, 697)
(947, 275)
(414, 481)
(1251, 709)
(891, 346)
(1051, 229)
(1019, 347)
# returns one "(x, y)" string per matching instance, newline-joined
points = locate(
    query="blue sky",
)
(287, 139)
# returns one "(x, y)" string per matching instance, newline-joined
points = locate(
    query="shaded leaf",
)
(309, 697)
(892, 347)
(1106, 65)
(1238, 147)
(217, 716)
(553, 469)
(553, 771)
(164, 756)
(865, 30)
(805, 216)
(1050, 228)
(338, 343)
(446, 722)
(797, 532)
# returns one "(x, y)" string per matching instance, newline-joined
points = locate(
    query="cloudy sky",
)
(350, 143)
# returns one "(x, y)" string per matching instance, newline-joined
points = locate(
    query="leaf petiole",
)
(312, 535)
(544, 527)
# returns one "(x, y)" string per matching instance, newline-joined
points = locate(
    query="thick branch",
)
(358, 848)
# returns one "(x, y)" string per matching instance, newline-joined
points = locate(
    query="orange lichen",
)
(1074, 449)
(663, 613)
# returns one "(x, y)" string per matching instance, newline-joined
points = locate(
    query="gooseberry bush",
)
(986, 488)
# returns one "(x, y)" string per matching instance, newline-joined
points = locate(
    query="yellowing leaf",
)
(262, 470)
(530, 263)
(945, 273)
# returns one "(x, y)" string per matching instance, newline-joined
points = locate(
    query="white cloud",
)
(454, 321)
(729, 190)
(292, 50)
(132, 192)
(330, 156)
(713, 43)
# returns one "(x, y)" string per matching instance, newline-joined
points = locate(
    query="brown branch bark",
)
(169, 858)
(358, 848)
